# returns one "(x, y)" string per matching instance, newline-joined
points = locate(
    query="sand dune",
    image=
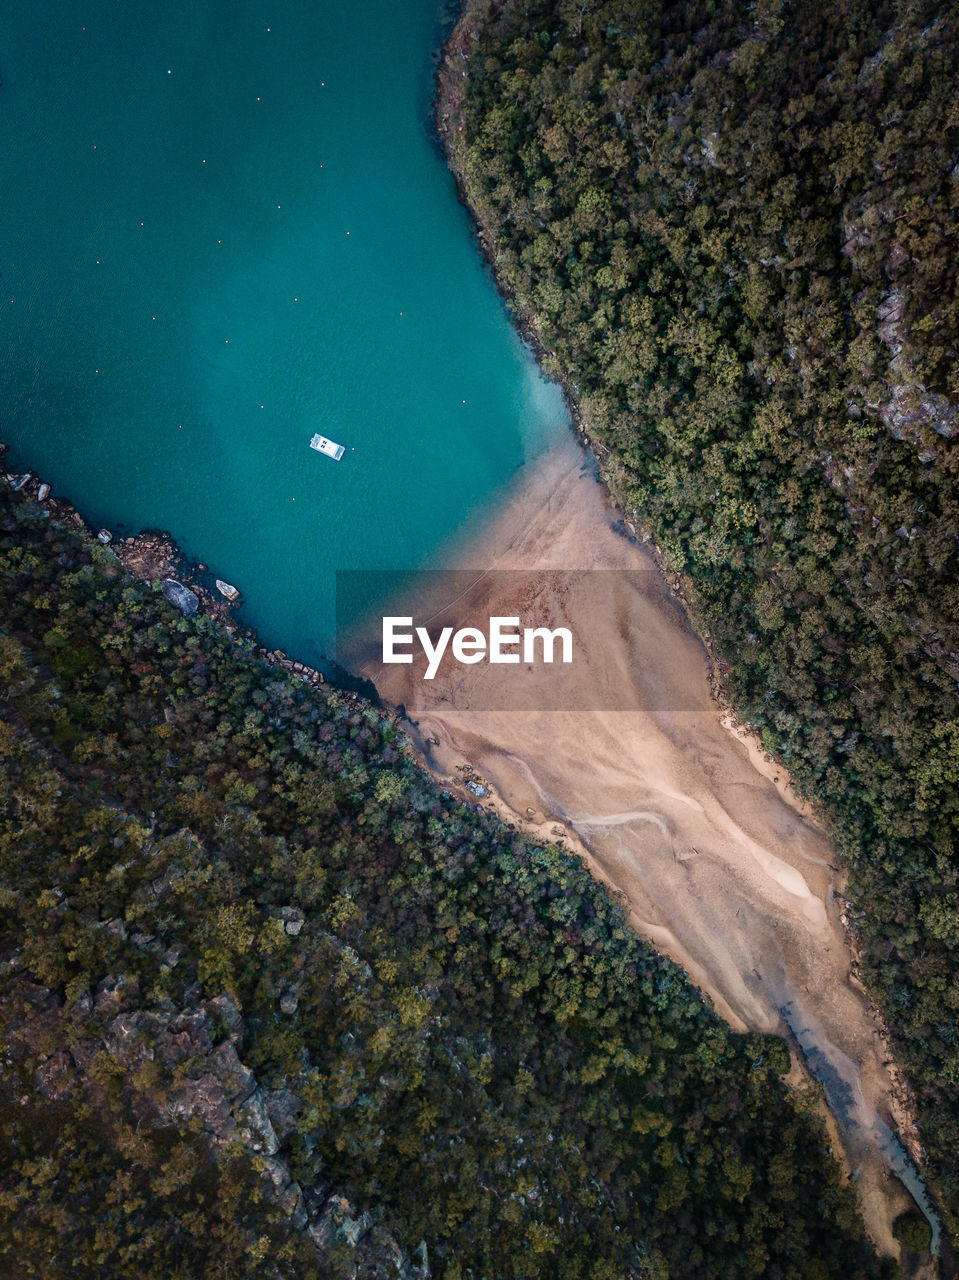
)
(721, 867)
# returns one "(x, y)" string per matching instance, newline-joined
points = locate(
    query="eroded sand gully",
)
(722, 869)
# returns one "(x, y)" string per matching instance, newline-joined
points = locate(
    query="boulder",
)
(291, 1203)
(43, 493)
(105, 536)
(912, 408)
(226, 589)
(124, 1040)
(237, 1080)
(56, 1077)
(225, 1007)
(283, 1106)
(421, 1262)
(338, 1222)
(206, 1099)
(259, 1133)
(180, 597)
(110, 992)
(277, 1172)
(293, 920)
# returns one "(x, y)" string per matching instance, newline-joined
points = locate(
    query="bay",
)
(226, 226)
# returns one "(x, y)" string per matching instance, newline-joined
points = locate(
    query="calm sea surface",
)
(225, 226)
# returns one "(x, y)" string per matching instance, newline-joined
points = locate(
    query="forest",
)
(270, 997)
(731, 231)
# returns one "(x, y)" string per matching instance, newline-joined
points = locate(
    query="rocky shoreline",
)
(205, 1084)
(153, 556)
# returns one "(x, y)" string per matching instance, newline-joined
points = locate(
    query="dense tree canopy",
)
(732, 229)
(465, 1032)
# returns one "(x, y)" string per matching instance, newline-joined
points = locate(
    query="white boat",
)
(329, 447)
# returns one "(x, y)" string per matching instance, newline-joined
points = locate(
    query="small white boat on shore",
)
(329, 447)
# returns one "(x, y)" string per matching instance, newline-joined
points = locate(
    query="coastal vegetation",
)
(267, 991)
(731, 229)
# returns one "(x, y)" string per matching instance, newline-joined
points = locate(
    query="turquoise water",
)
(225, 226)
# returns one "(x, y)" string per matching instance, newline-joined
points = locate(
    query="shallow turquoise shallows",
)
(225, 226)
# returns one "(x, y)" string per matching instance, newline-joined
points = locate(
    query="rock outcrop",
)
(911, 409)
(180, 597)
(205, 1082)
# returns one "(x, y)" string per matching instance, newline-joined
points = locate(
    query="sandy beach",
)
(667, 801)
